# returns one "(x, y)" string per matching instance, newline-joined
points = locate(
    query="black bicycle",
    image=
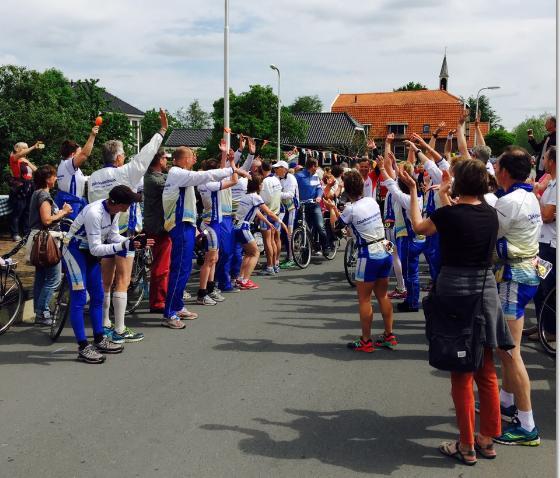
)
(548, 309)
(11, 289)
(305, 240)
(350, 260)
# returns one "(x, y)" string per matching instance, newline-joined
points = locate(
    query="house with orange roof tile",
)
(407, 112)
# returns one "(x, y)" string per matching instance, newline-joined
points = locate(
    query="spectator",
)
(548, 141)
(21, 188)
(45, 214)
(467, 233)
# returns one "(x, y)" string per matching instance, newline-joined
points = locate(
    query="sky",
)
(153, 54)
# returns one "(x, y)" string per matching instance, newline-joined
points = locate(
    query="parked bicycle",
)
(548, 309)
(350, 260)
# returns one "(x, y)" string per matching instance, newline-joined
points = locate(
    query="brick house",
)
(406, 112)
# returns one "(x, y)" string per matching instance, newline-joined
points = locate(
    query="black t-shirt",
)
(465, 233)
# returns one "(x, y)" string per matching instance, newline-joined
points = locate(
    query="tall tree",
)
(254, 113)
(412, 86)
(306, 104)
(193, 116)
(487, 113)
(498, 140)
(536, 123)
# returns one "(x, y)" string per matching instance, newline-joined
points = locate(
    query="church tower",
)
(443, 74)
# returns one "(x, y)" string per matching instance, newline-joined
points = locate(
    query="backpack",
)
(45, 251)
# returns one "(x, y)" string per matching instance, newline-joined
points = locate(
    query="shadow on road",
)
(359, 440)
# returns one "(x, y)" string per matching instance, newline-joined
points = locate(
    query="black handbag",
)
(456, 330)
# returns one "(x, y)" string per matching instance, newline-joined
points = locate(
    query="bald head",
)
(184, 157)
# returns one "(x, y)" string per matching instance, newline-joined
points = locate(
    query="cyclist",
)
(118, 267)
(93, 235)
(363, 216)
(290, 202)
(70, 178)
(251, 205)
(310, 193)
(271, 194)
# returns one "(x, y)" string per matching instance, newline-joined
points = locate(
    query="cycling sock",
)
(82, 344)
(202, 293)
(526, 419)
(506, 399)
(210, 286)
(397, 266)
(106, 307)
(119, 306)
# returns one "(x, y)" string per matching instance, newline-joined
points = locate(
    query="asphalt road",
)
(261, 385)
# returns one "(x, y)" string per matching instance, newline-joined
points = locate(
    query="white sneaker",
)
(217, 296)
(187, 295)
(206, 300)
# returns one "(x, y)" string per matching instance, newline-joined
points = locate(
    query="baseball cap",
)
(281, 164)
(124, 195)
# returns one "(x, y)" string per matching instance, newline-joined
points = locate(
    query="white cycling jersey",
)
(401, 201)
(105, 179)
(179, 200)
(247, 209)
(70, 179)
(211, 201)
(290, 192)
(95, 230)
(271, 193)
(364, 219)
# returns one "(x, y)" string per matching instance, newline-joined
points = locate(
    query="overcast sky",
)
(171, 52)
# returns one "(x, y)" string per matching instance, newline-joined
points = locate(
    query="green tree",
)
(412, 86)
(498, 140)
(193, 116)
(536, 123)
(487, 113)
(255, 113)
(306, 104)
(150, 125)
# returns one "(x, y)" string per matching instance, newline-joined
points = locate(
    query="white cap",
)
(281, 164)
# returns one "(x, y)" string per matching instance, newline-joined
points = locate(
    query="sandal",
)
(485, 451)
(452, 449)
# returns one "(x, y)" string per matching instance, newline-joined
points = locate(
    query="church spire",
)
(443, 74)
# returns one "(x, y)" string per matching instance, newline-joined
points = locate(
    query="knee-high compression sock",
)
(398, 270)
(119, 306)
(106, 307)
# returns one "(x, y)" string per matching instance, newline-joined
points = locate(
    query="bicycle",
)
(11, 289)
(548, 307)
(350, 260)
(305, 241)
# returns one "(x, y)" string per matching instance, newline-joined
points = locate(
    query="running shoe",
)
(269, 271)
(217, 296)
(247, 285)
(186, 314)
(110, 333)
(173, 323)
(288, 265)
(130, 336)
(106, 346)
(89, 354)
(231, 290)
(277, 269)
(389, 341)
(43, 321)
(187, 295)
(206, 300)
(359, 345)
(517, 435)
(509, 414)
(397, 294)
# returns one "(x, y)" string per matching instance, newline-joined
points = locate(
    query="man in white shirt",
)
(271, 194)
(118, 267)
(290, 200)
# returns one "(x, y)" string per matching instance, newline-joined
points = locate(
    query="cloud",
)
(152, 54)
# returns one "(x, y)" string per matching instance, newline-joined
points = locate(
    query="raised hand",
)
(463, 118)
(95, 130)
(451, 132)
(223, 145)
(445, 186)
(410, 144)
(163, 119)
(407, 179)
(371, 144)
(390, 138)
(241, 142)
(252, 145)
(418, 139)
(440, 127)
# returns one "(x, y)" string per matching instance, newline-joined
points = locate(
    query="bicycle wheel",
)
(61, 309)
(334, 247)
(350, 261)
(301, 247)
(11, 298)
(135, 292)
(548, 309)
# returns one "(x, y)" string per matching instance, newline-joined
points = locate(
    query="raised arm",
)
(252, 149)
(448, 145)
(420, 225)
(26, 151)
(80, 158)
(479, 138)
(435, 134)
(388, 144)
(461, 138)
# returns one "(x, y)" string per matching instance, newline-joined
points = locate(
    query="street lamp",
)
(478, 97)
(278, 146)
(226, 75)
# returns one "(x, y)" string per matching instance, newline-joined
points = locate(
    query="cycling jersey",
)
(247, 209)
(211, 201)
(70, 179)
(370, 184)
(179, 200)
(519, 216)
(401, 205)
(105, 179)
(364, 219)
(94, 229)
(271, 193)
(290, 192)
(225, 197)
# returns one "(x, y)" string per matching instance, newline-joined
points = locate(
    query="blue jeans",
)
(315, 220)
(19, 219)
(182, 247)
(227, 242)
(46, 281)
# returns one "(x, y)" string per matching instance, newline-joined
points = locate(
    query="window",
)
(426, 129)
(400, 151)
(397, 129)
(367, 128)
(327, 158)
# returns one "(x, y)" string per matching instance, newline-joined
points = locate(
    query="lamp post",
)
(226, 74)
(278, 146)
(478, 97)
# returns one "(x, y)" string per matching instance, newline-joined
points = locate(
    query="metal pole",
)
(476, 112)
(226, 73)
(279, 103)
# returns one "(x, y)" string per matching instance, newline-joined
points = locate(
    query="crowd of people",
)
(481, 223)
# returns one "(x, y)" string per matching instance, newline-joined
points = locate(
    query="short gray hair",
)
(19, 146)
(482, 153)
(111, 149)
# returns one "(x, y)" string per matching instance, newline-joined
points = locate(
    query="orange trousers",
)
(463, 397)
